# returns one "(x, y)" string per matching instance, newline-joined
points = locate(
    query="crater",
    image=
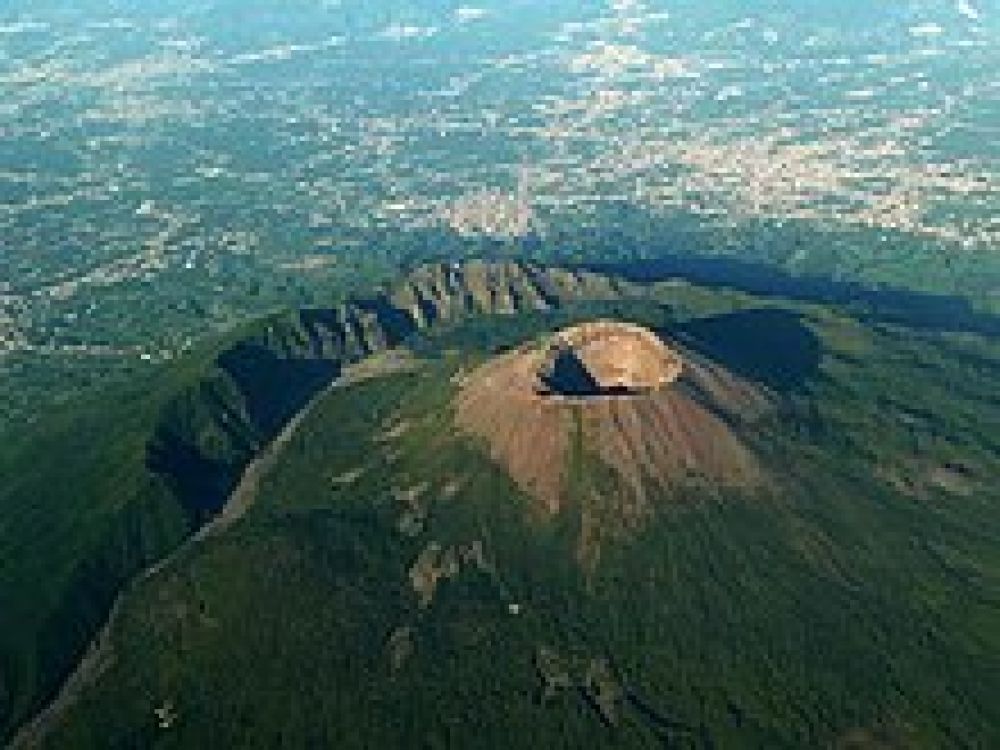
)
(607, 359)
(655, 412)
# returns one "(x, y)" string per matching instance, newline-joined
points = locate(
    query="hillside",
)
(127, 477)
(395, 581)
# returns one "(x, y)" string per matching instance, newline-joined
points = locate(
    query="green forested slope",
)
(856, 603)
(101, 489)
(96, 491)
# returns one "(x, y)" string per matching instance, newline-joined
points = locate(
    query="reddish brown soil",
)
(528, 434)
(657, 438)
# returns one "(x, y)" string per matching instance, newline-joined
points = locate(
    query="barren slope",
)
(656, 413)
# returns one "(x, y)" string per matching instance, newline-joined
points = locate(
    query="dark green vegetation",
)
(857, 600)
(99, 490)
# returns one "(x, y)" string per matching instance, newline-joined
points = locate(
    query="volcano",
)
(655, 412)
(443, 518)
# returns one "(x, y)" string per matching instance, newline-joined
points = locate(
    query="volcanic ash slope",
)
(654, 412)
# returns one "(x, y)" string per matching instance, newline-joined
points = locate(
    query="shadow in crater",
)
(566, 375)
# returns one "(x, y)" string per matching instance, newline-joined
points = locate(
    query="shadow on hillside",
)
(919, 310)
(273, 386)
(772, 347)
(205, 439)
(200, 484)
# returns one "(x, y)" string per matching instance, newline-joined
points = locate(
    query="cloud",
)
(399, 32)
(22, 27)
(968, 10)
(467, 13)
(926, 29)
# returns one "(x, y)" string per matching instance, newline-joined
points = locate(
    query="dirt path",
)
(99, 655)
